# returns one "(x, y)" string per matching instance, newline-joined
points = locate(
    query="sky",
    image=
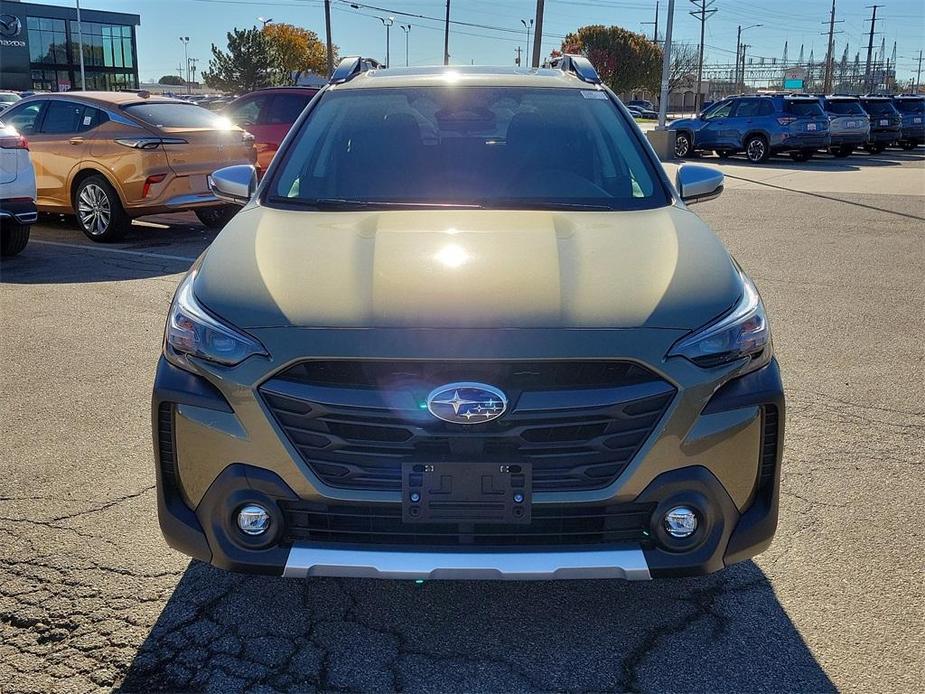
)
(358, 31)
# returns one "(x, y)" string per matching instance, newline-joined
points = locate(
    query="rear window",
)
(910, 105)
(503, 148)
(285, 108)
(878, 107)
(176, 115)
(803, 109)
(844, 108)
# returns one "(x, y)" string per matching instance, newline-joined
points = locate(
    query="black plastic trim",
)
(173, 384)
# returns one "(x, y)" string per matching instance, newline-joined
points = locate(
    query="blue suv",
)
(759, 125)
(912, 108)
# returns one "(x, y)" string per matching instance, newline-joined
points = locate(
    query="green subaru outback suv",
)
(465, 327)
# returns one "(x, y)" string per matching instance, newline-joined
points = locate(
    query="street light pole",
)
(538, 32)
(666, 67)
(80, 50)
(185, 41)
(387, 23)
(407, 30)
(264, 21)
(527, 30)
(739, 51)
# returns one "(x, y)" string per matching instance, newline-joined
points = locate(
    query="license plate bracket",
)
(466, 493)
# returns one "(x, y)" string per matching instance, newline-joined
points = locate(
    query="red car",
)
(268, 114)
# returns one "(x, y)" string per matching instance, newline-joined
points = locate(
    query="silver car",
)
(849, 123)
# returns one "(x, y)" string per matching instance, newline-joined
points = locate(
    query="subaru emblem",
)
(466, 403)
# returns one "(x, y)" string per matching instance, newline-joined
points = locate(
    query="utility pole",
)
(517, 59)
(870, 47)
(666, 68)
(407, 30)
(738, 54)
(655, 23)
(80, 50)
(538, 33)
(918, 75)
(192, 62)
(830, 53)
(745, 46)
(327, 32)
(446, 36)
(703, 12)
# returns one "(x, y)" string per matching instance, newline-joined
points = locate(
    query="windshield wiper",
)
(520, 204)
(339, 204)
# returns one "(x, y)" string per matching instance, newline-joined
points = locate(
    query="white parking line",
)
(104, 249)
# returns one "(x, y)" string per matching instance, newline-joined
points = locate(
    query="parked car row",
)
(760, 125)
(107, 157)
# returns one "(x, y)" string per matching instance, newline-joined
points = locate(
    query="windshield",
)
(878, 107)
(9, 98)
(804, 109)
(176, 115)
(910, 105)
(844, 108)
(473, 146)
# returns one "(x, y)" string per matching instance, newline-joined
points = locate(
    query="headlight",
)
(192, 331)
(743, 332)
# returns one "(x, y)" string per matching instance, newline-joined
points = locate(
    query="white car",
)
(17, 192)
(7, 99)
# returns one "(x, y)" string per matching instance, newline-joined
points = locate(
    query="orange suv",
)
(108, 157)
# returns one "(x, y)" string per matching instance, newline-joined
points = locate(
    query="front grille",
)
(381, 524)
(577, 423)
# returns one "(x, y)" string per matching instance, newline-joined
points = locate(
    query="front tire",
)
(216, 217)
(13, 238)
(756, 149)
(683, 146)
(99, 211)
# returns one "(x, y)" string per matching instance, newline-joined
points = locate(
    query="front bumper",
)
(737, 521)
(18, 210)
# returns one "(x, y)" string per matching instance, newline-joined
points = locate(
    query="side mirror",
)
(698, 183)
(234, 184)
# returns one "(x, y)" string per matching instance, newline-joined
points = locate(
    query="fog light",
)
(680, 522)
(253, 519)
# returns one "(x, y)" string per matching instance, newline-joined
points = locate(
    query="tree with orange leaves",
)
(295, 50)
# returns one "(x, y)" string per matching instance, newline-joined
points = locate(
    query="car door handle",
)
(76, 140)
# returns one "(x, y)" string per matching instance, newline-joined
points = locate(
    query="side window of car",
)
(24, 117)
(285, 108)
(748, 108)
(766, 108)
(91, 118)
(62, 118)
(721, 111)
(248, 113)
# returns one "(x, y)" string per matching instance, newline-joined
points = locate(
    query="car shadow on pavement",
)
(227, 632)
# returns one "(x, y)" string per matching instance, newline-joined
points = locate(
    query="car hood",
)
(461, 268)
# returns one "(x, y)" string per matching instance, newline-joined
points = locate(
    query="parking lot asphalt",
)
(91, 597)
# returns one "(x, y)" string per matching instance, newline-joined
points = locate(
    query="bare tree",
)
(683, 69)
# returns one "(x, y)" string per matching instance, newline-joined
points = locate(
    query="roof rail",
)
(350, 67)
(578, 64)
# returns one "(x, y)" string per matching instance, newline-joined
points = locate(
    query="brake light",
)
(786, 120)
(14, 142)
(149, 181)
(149, 142)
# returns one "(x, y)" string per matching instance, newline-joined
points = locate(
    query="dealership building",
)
(39, 48)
